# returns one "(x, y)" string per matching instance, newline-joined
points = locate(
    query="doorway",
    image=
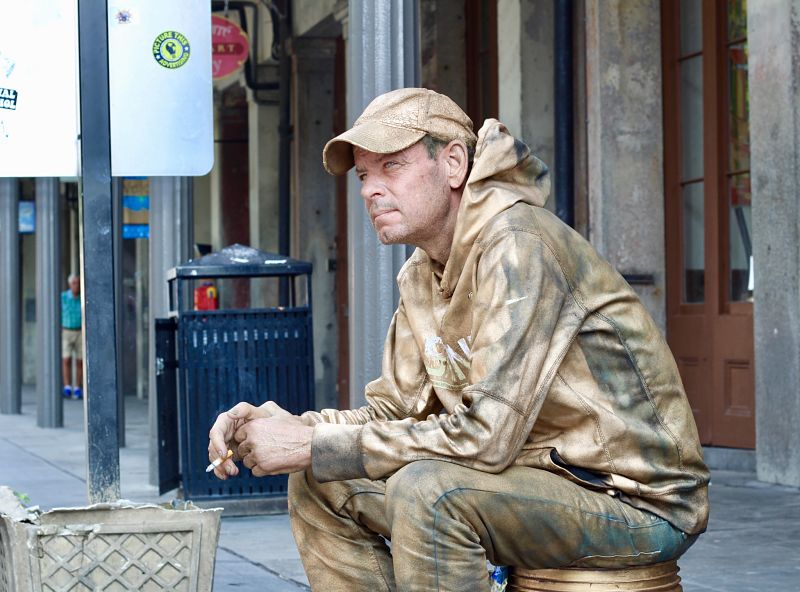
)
(707, 214)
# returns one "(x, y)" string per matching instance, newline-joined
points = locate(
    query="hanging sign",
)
(159, 62)
(230, 47)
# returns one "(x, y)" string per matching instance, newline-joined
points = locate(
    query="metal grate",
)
(231, 356)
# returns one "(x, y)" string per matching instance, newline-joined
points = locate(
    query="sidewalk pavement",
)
(753, 541)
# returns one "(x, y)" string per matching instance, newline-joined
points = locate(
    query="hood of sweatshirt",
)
(504, 173)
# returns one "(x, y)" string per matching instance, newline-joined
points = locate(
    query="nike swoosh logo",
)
(514, 300)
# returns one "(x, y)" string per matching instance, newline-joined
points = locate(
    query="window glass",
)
(738, 109)
(737, 19)
(740, 238)
(691, 93)
(693, 243)
(691, 26)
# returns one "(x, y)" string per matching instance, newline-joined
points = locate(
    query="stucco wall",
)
(773, 30)
(625, 141)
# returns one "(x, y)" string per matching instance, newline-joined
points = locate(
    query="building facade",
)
(672, 128)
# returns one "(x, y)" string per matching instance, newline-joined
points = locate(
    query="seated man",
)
(529, 410)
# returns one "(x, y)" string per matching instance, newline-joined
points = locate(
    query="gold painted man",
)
(529, 410)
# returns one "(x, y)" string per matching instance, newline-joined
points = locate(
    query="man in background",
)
(71, 338)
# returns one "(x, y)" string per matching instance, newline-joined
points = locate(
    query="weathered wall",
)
(537, 82)
(625, 140)
(308, 14)
(773, 29)
(525, 75)
(443, 51)
(314, 200)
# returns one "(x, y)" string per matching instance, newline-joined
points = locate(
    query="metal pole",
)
(50, 405)
(284, 148)
(10, 309)
(383, 54)
(564, 139)
(97, 277)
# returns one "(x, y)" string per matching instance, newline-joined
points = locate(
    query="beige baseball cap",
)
(396, 120)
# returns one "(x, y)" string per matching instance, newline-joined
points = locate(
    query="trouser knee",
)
(418, 490)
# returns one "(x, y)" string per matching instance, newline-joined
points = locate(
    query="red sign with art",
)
(229, 47)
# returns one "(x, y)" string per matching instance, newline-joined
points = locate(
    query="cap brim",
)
(337, 156)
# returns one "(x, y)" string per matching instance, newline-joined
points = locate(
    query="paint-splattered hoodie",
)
(527, 348)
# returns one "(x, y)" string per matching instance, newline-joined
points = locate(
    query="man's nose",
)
(371, 189)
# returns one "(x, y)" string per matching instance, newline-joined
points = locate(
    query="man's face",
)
(406, 193)
(75, 285)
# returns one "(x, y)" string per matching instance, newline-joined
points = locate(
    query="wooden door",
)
(707, 207)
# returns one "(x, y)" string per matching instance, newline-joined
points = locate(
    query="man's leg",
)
(79, 372)
(337, 527)
(77, 390)
(447, 519)
(66, 374)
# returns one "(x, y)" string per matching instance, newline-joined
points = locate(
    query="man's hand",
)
(275, 445)
(221, 435)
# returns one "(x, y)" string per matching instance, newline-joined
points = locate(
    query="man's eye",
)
(389, 164)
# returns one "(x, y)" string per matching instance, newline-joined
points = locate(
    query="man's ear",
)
(456, 160)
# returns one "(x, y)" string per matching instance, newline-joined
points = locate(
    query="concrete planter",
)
(105, 547)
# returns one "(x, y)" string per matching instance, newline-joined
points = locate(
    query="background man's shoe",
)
(76, 393)
(67, 392)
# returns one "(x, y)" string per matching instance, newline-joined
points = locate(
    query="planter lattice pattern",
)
(122, 561)
(121, 547)
(5, 559)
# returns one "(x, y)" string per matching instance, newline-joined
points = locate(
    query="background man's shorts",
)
(71, 343)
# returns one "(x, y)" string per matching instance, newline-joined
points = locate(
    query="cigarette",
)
(219, 461)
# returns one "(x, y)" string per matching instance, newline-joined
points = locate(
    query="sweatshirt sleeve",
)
(521, 330)
(392, 397)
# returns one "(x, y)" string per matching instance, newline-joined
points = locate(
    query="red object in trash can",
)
(205, 297)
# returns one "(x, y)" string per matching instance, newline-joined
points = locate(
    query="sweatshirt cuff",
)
(336, 452)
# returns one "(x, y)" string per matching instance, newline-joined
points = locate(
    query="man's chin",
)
(389, 239)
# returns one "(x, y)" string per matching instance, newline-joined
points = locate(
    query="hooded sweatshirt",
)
(526, 348)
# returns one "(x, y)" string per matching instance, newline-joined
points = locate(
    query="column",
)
(525, 72)
(49, 284)
(382, 55)
(10, 308)
(625, 141)
(263, 120)
(314, 216)
(773, 30)
(170, 244)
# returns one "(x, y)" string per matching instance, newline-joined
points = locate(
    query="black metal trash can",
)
(209, 360)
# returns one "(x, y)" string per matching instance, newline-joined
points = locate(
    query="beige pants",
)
(72, 343)
(445, 520)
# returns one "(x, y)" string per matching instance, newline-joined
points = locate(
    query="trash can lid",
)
(239, 261)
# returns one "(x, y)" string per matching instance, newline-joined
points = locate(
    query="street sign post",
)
(93, 90)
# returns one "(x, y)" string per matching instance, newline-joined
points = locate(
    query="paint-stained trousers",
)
(445, 520)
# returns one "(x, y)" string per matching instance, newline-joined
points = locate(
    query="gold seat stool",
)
(661, 577)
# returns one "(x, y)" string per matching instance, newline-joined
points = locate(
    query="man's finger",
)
(273, 409)
(244, 410)
(257, 472)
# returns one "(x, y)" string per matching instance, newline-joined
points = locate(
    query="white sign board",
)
(160, 88)
(162, 120)
(39, 88)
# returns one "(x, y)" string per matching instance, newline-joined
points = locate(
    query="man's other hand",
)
(275, 445)
(221, 435)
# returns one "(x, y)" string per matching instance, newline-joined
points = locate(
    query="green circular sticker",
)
(171, 49)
